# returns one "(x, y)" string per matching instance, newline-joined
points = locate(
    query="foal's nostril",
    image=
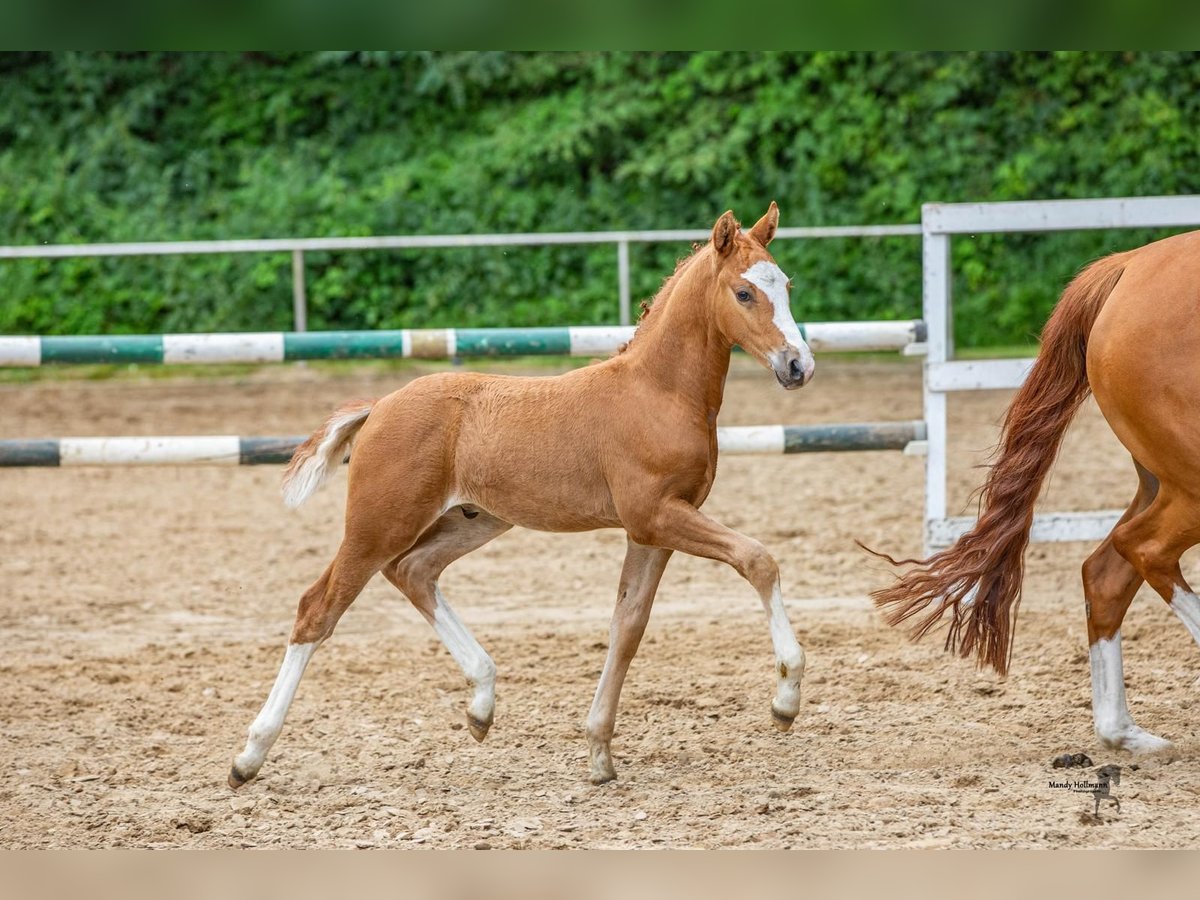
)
(796, 371)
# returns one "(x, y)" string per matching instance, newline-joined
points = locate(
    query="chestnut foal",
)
(451, 461)
(1126, 330)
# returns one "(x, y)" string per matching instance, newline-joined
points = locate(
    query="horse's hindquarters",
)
(1141, 358)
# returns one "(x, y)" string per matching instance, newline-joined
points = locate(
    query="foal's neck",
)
(678, 345)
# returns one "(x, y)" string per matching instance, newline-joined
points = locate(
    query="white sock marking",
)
(789, 656)
(1186, 605)
(269, 722)
(1110, 710)
(470, 656)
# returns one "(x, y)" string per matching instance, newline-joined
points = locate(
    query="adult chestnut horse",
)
(1127, 329)
(451, 461)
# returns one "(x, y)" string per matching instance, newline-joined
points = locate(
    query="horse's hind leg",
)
(459, 531)
(1153, 541)
(320, 608)
(1155, 548)
(1109, 584)
(640, 575)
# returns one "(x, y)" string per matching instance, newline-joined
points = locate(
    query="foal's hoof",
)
(782, 721)
(477, 727)
(601, 765)
(602, 775)
(236, 778)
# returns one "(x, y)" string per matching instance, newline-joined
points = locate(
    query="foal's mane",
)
(658, 301)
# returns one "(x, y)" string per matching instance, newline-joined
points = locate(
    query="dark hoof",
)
(237, 779)
(478, 729)
(782, 722)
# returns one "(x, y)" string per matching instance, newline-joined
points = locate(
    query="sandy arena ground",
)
(145, 611)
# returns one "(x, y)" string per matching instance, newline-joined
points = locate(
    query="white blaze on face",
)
(769, 278)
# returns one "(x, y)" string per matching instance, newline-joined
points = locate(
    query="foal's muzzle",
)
(793, 366)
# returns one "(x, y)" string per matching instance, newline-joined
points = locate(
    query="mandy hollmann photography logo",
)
(1098, 783)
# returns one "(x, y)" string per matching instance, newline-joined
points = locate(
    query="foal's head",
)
(749, 299)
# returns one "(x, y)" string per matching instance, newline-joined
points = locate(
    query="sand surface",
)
(144, 614)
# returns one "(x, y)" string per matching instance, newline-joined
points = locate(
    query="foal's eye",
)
(743, 296)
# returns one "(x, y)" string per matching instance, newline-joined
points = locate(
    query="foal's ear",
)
(764, 229)
(724, 232)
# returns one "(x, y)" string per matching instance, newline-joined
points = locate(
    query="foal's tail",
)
(989, 560)
(314, 460)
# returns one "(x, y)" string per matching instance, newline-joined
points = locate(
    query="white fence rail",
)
(299, 246)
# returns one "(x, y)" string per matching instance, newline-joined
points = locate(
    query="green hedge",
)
(114, 147)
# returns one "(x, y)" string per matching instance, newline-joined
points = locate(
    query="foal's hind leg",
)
(320, 608)
(640, 575)
(1109, 584)
(374, 534)
(416, 574)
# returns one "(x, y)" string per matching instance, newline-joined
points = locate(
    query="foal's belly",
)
(561, 519)
(535, 485)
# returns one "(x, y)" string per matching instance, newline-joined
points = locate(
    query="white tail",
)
(314, 460)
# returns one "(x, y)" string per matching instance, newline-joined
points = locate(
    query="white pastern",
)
(1186, 605)
(769, 278)
(789, 657)
(470, 656)
(1110, 710)
(269, 722)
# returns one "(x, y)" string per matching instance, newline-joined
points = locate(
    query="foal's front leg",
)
(677, 525)
(640, 576)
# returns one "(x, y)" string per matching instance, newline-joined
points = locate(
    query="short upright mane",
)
(655, 303)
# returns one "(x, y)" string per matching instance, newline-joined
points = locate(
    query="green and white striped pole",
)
(426, 343)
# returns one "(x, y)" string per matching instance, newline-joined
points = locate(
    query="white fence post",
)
(623, 280)
(936, 309)
(944, 375)
(299, 297)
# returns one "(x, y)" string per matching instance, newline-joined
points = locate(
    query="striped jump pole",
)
(426, 343)
(231, 450)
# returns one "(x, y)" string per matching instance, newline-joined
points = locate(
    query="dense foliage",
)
(115, 147)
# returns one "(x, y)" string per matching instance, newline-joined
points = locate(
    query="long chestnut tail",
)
(978, 579)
